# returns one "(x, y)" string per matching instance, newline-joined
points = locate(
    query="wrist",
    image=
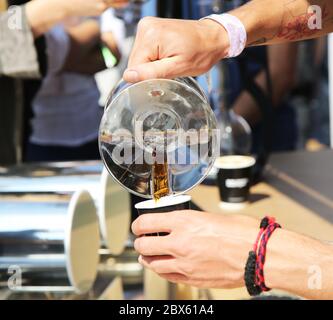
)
(254, 276)
(274, 259)
(235, 30)
(219, 41)
(290, 259)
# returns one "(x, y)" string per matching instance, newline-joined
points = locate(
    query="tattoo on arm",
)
(294, 23)
(297, 27)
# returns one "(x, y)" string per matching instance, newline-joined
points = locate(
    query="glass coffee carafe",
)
(158, 136)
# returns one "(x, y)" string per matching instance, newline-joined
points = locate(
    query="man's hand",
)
(210, 251)
(168, 48)
(202, 249)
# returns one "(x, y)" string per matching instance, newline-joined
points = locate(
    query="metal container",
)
(111, 200)
(50, 242)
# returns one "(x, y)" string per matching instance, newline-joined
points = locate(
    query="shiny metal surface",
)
(49, 240)
(125, 266)
(34, 262)
(24, 220)
(111, 200)
(62, 177)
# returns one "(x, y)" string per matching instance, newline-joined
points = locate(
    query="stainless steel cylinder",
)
(112, 201)
(52, 240)
(113, 207)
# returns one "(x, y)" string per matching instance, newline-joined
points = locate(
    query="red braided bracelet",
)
(267, 228)
(254, 269)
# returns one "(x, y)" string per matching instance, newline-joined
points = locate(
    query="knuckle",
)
(187, 269)
(179, 216)
(159, 268)
(184, 219)
(145, 23)
(177, 250)
(138, 226)
(180, 247)
(138, 245)
(151, 34)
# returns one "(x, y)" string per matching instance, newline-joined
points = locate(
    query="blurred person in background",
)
(281, 60)
(281, 65)
(319, 128)
(18, 54)
(66, 108)
(24, 62)
(310, 96)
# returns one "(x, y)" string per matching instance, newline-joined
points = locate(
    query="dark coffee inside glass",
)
(165, 204)
(234, 178)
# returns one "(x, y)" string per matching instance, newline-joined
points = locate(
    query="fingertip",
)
(135, 227)
(140, 259)
(131, 76)
(137, 246)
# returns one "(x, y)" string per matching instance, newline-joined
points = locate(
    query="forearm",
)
(43, 15)
(300, 265)
(282, 60)
(246, 105)
(277, 21)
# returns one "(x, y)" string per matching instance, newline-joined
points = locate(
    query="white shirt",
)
(66, 109)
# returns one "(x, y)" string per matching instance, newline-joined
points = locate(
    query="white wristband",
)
(236, 32)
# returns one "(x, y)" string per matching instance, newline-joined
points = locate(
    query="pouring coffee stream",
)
(160, 178)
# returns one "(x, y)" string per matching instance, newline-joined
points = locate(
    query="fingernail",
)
(131, 76)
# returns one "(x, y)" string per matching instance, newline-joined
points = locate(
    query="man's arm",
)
(43, 15)
(269, 22)
(210, 251)
(300, 265)
(166, 48)
(18, 56)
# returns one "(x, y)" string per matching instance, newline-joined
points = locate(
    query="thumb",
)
(159, 69)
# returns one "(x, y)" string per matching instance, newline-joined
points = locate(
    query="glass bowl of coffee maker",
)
(158, 137)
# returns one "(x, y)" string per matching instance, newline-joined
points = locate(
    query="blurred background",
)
(292, 83)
